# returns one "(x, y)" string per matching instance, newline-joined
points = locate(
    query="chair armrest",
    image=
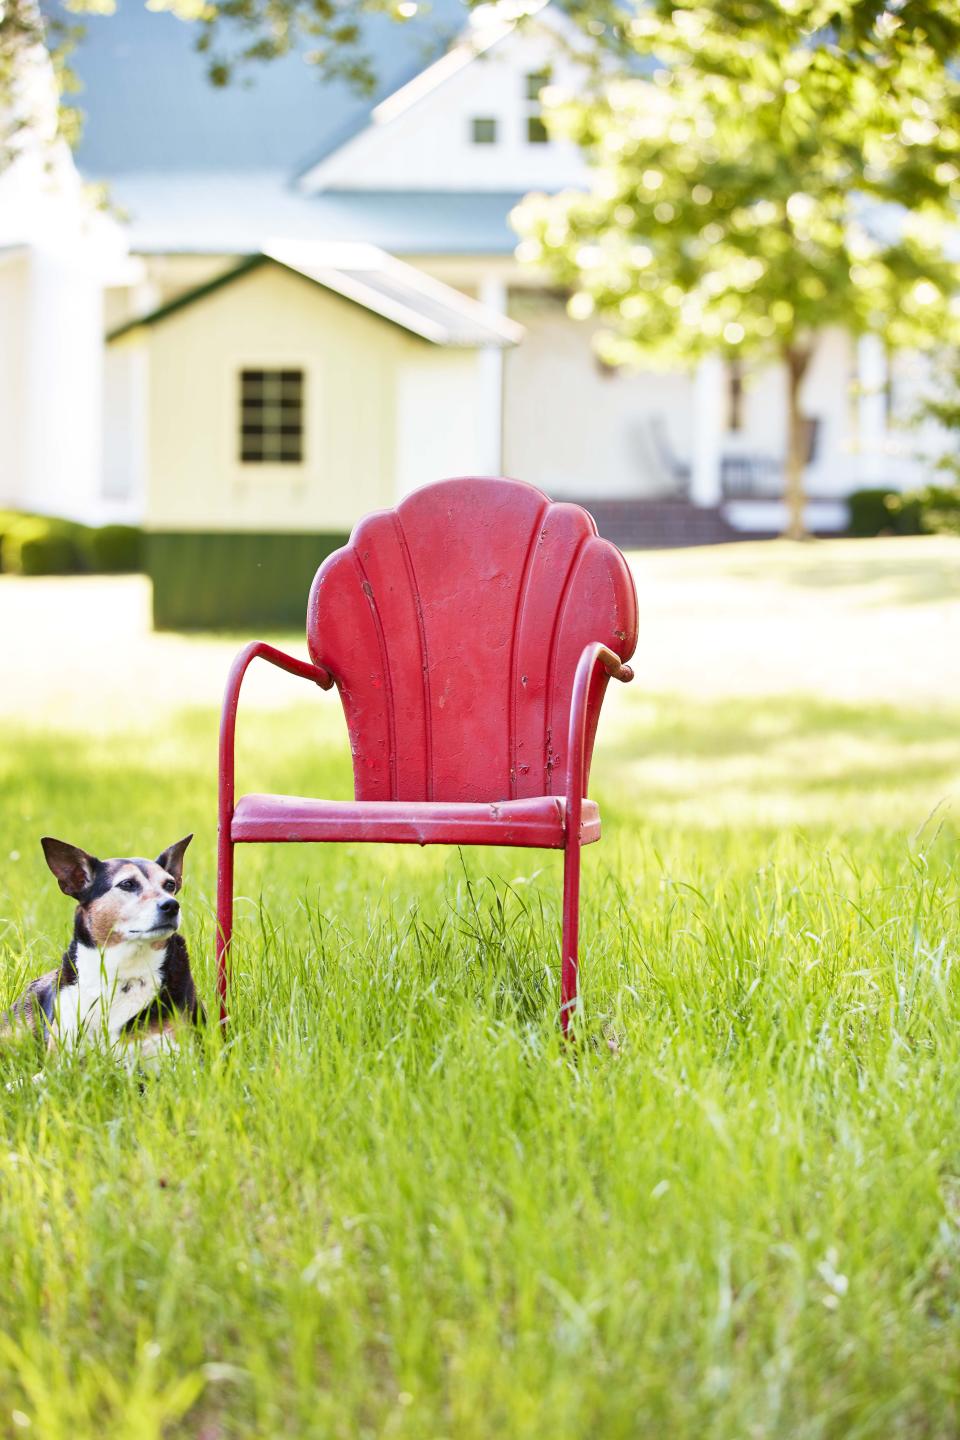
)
(595, 656)
(256, 650)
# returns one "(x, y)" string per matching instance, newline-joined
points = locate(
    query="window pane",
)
(536, 131)
(535, 82)
(484, 130)
(271, 416)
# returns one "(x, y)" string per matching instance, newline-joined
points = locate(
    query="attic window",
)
(271, 417)
(536, 129)
(483, 130)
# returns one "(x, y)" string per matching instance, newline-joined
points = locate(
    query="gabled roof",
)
(489, 24)
(486, 32)
(369, 277)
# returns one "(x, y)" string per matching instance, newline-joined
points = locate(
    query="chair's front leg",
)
(224, 912)
(595, 656)
(571, 931)
(226, 786)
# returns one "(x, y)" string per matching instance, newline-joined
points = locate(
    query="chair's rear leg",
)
(224, 915)
(571, 930)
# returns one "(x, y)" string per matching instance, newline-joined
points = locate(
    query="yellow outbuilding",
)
(306, 386)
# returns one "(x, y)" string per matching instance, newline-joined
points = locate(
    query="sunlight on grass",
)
(393, 1204)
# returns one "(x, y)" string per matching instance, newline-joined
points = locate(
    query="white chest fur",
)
(113, 986)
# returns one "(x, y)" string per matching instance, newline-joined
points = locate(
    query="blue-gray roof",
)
(237, 213)
(149, 105)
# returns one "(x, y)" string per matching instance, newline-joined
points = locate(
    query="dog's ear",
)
(172, 859)
(73, 867)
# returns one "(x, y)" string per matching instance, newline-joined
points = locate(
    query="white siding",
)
(440, 420)
(125, 428)
(64, 365)
(14, 294)
(51, 357)
(576, 429)
(428, 145)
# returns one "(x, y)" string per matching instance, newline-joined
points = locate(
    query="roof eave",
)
(491, 329)
(249, 263)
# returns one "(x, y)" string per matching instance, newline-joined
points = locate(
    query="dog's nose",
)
(168, 907)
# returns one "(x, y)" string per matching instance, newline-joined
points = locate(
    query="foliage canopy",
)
(779, 167)
(771, 176)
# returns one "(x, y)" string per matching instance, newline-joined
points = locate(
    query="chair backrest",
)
(453, 626)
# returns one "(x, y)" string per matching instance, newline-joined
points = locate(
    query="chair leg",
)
(224, 916)
(571, 929)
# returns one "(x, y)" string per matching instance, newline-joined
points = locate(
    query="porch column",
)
(872, 410)
(493, 294)
(708, 428)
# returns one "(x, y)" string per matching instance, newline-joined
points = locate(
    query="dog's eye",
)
(170, 886)
(128, 884)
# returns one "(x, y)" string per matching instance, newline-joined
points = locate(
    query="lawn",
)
(393, 1203)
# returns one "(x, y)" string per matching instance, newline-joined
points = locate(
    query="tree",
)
(784, 167)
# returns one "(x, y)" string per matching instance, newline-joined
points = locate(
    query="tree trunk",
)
(796, 359)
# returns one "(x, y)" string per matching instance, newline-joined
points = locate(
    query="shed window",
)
(483, 130)
(271, 417)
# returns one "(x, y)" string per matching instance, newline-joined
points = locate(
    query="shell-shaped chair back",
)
(453, 626)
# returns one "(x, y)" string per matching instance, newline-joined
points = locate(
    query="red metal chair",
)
(471, 633)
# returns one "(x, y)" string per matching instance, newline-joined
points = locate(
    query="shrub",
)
(46, 545)
(868, 512)
(114, 549)
(882, 511)
(937, 506)
(9, 521)
(40, 545)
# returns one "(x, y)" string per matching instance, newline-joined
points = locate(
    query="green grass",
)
(393, 1204)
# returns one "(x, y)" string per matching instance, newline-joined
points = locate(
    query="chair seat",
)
(536, 823)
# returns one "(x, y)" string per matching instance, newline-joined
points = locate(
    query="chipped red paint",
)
(466, 632)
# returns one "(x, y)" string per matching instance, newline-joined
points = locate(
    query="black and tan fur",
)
(125, 977)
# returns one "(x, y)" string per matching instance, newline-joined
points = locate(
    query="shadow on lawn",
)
(738, 762)
(911, 580)
(782, 760)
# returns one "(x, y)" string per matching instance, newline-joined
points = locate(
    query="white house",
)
(58, 257)
(429, 177)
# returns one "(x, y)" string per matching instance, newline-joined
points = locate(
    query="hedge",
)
(48, 545)
(882, 511)
(114, 549)
(937, 506)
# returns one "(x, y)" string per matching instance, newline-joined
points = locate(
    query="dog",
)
(125, 978)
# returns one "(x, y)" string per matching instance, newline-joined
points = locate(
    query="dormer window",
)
(534, 82)
(483, 130)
